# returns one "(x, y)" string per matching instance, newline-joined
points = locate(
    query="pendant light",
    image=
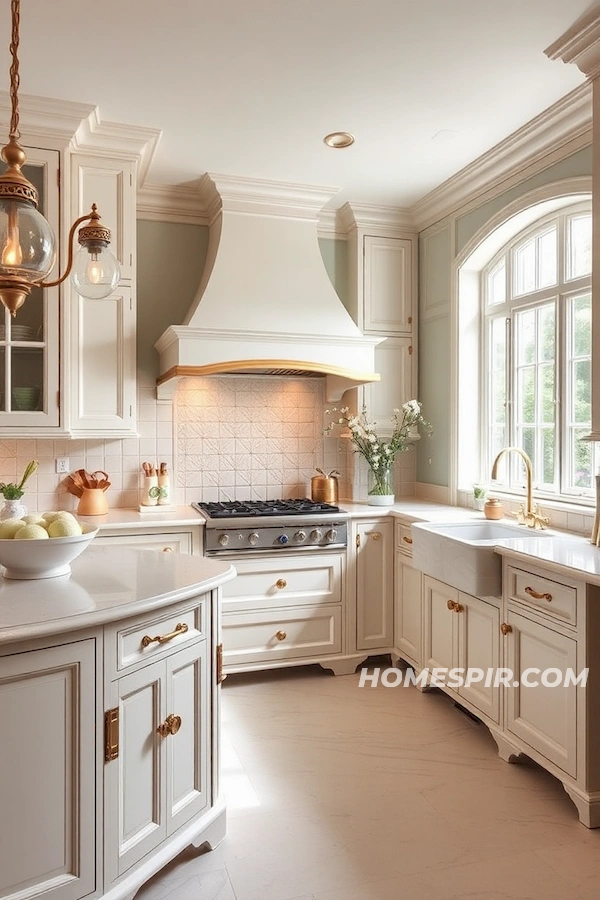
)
(27, 242)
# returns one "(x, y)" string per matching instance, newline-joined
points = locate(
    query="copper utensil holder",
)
(324, 489)
(93, 502)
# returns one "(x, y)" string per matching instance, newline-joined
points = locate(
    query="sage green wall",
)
(170, 261)
(436, 256)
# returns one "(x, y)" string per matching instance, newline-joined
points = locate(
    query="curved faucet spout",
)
(528, 470)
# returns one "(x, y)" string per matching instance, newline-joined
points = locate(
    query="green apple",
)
(9, 528)
(31, 533)
(62, 527)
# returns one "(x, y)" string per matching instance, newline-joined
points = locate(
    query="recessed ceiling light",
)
(339, 139)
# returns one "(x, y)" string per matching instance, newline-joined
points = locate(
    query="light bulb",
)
(12, 255)
(95, 274)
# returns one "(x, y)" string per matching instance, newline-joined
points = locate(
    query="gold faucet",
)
(530, 515)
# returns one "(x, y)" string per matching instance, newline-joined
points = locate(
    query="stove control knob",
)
(331, 535)
(283, 538)
(300, 536)
(316, 535)
(223, 540)
(253, 538)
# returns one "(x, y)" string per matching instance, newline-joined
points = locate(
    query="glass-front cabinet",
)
(29, 341)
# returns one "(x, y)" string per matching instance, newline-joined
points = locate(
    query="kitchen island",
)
(109, 694)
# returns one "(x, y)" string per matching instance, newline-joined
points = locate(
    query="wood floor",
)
(336, 792)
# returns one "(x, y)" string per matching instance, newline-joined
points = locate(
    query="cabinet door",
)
(188, 751)
(135, 782)
(47, 773)
(408, 610)
(545, 718)
(110, 185)
(440, 644)
(479, 648)
(394, 362)
(388, 267)
(374, 589)
(152, 540)
(103, 365)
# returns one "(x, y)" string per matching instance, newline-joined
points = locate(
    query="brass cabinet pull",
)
(171, 725)
(281, 635)
(220, 676)
(458, 607)
(505, 628)
(167, 550)
(408, 540)
(375, 535)
(281, 583)
(451, 605)
(111, 734)
(537, 596)
(180, 628)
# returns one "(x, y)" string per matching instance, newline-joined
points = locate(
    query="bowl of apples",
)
(42, 545)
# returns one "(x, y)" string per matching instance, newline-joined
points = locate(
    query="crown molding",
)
(171, 203)
(554, 134)
(580, 44)
(57, 124)
(386, 221)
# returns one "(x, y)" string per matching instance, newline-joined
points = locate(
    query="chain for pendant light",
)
(15, 79)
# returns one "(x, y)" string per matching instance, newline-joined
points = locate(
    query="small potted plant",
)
(12, 493)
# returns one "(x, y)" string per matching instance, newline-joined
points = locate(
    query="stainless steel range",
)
(268, 525)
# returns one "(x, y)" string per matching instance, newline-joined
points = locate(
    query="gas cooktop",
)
(254, 508)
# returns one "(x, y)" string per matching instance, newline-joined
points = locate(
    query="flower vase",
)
(13, 509)
(381, 487)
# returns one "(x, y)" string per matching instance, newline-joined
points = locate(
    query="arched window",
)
(536, 354)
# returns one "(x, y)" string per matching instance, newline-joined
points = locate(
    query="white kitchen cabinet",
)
(387, 284)
(544, 717)
(102, 332)
(48, 772)
(286, 610)
(164, 723)
(408, 605)
(374, 584)
(163, 538)
(395, 361)
(462, 632)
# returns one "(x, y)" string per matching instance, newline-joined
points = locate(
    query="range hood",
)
(265, 303)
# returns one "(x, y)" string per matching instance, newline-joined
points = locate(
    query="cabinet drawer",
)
(134, 641)
(550, 597)
(293, 581)
(287, 634)
(404, 538)
(168, 543)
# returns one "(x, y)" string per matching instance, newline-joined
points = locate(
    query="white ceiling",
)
(250, 87)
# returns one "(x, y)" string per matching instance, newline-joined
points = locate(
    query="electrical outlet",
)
(62, 465)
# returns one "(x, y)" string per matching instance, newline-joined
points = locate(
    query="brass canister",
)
(324, 488)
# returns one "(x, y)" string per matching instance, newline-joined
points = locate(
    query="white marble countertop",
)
(154, 518)
(105, 584)
(567, 554)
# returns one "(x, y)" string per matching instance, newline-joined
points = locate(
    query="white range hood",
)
(265, 304)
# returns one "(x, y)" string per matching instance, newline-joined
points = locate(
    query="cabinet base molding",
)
(207, 829)
(346, 666)
(506, 750)
(588, 805)
(339, 665)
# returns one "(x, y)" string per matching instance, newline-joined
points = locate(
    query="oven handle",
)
(293, 551)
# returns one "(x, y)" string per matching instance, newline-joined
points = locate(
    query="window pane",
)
(526, 394)
(582, 325)
(547, 333)
(526, 337)
(547, 259)
(582, 400)
(525, 267)
(547, 394)
(581, 454)
(547, 475)
(579, 259)
(497, 284)
(528, 444)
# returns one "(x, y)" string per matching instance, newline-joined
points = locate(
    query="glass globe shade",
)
(95, 275)
(27, 242)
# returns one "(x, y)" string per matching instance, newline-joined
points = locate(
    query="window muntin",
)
(537, 356)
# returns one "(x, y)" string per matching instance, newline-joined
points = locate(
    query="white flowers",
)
(379, 454)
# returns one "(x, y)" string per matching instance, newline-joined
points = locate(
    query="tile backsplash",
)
(222, 437)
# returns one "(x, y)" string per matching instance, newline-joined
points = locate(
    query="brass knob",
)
(451, 605)
(375, 535)
(537, 596)
(167, 550)
(281, 583)
(505, 628)
(407, 539)
(281, 635)
(171, 725)
(458, 607)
